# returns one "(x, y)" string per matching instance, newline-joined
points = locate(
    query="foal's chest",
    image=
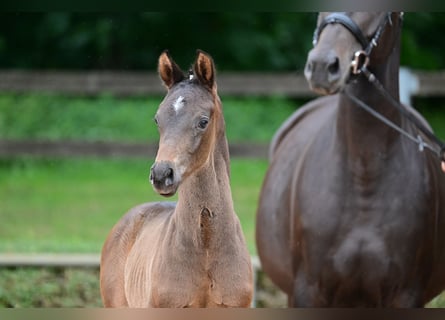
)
(200, 287)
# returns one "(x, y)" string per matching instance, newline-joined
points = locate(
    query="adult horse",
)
(351, 213)
(192, 253)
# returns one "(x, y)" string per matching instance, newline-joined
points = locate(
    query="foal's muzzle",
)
(162, 177)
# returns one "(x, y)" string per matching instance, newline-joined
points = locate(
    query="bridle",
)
(359, 65)
(361, 57)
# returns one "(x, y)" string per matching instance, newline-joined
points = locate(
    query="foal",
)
(192, 253)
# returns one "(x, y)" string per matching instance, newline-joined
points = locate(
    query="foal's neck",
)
(205, 199)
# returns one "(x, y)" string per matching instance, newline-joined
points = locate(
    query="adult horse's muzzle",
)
(324, 71)
(162, 177)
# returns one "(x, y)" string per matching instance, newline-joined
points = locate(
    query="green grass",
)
(70, 205)
(49, 288)
(107, 118)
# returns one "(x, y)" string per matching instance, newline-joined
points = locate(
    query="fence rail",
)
(64, 149)
(125, 83)
(64, 260)
(122, 83)
(131, 83)
(43, 260)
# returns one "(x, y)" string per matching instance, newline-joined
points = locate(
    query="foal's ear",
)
(169, 71)
(204, 69)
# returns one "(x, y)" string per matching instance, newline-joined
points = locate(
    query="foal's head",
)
(187, 119)
(339, 37)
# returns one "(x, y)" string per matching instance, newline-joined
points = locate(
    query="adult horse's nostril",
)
(334, 66)
(308, 68)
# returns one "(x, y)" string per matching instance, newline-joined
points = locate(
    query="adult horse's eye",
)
(202, 124)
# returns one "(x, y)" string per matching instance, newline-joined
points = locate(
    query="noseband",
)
(359, 65)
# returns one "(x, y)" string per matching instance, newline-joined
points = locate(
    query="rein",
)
(359, 65)
(404, 112)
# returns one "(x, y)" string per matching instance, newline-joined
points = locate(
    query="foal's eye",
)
(156, 120)
(202, 124)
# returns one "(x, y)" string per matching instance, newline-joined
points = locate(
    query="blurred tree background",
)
(243, 41)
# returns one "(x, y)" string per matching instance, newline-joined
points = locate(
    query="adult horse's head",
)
(187, 119)
(348, 40)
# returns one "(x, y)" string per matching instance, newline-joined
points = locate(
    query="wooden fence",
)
(145, 83)
(66, 149)
(126, 84)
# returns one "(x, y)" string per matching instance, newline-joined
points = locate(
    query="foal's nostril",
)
(169, 177)
(151, 175)
(162, 174)
(334, 66)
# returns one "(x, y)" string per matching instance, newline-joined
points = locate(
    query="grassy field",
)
(49, 288)
(106, 118)
(69, 205)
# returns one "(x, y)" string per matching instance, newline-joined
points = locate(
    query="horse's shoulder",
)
(314, 112)
(127, 229)
(150, 210)
(120, 242)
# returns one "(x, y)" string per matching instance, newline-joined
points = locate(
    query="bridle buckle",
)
(360, 61)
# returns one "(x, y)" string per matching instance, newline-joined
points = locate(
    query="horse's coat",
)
(350, 212)
(192, 253)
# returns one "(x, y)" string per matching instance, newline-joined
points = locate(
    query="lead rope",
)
(422, 144)
(405, 112)
(359, 65)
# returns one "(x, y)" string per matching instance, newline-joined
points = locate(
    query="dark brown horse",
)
(192, 253)
(351, 213)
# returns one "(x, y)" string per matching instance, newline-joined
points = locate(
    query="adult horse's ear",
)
(169, 71)
(204, 70)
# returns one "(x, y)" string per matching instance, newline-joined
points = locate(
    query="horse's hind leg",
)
(303, 293)
(408, 298)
